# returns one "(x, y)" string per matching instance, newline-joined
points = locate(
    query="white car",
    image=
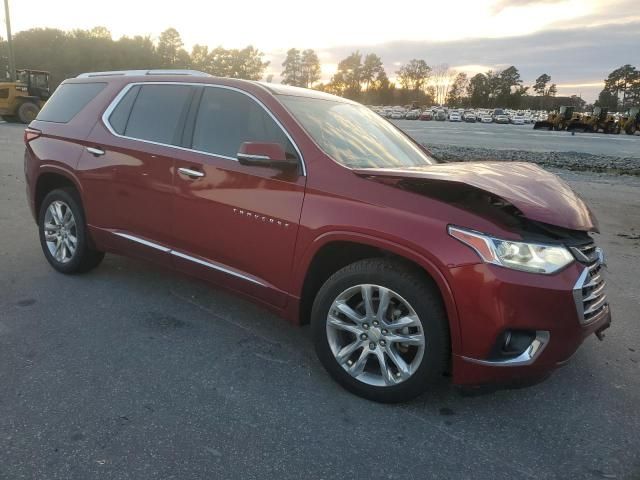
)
(517, 119)
(397, 115)
(486, 118)
(455, 117)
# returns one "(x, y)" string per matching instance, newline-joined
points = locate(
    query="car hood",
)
(536, 193)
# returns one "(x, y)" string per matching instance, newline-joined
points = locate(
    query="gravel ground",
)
(575, 161)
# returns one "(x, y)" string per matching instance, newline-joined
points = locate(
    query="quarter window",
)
(68, 100)
(227, 118)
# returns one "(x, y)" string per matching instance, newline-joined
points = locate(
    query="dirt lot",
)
(133, 372)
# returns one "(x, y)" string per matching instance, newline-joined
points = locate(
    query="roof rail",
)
(122, 73)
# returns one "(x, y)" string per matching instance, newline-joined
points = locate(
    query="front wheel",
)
(380, 330)
(63, 233)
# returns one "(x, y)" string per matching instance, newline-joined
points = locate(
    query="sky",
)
(577, 42)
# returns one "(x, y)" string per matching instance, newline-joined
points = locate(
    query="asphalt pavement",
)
(519, 137)
(134, 372)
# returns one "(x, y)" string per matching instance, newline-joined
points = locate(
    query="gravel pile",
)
(565, 160)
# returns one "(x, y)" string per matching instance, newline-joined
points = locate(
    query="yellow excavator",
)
(22, 100)
(600, 120)
(630, 122)
(565, 117)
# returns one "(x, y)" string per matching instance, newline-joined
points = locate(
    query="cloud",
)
(578, 59)
(500, 5)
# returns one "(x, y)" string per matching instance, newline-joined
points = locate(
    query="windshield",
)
(353, 135)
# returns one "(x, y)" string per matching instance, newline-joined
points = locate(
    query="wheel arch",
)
(49, 178)
(333, 251)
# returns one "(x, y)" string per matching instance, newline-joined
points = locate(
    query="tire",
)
(57, 241)
(408, 291)
(27, 112)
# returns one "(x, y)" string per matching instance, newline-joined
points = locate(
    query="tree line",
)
(359, 76)
(67, 54)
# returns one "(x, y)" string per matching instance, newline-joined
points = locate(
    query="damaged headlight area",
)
(527, 257)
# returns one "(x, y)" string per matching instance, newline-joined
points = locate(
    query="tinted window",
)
(226, 119)
(120, 115)
(68, 100)
(157, 112)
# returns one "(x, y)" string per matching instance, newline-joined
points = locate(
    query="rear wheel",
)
(63, 234)
(380, 330)
(27, 112)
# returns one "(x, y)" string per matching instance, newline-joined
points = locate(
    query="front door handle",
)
(189, 172)
(95, 151)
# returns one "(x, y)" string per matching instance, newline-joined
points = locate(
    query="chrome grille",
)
(589, 291)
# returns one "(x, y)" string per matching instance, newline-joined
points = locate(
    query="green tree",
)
(372, 70)
(509, 89)
(619, 81)
(607, 100)
(310, 68)
(170, 48)
(292, 72)
(457, 90)
(478, 91)
(100, 32)
(414, 75)
(540, 87)
(246, 63)
(347, 80)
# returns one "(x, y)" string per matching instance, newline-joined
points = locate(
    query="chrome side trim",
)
(216, 267)
(527, 357)
(142, 241)
(248, 156)
(176, 253)
(114, 103)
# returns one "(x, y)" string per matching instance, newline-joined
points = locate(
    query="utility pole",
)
(12, 62)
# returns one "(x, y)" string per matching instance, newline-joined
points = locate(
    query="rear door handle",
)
(95, 151)
(189, 172)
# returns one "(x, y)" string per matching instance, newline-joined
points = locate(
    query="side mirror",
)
(263, 154)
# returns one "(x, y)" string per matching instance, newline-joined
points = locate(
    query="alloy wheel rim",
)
(60, 231)
(375, 335)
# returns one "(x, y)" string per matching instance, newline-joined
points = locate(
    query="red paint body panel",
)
(256, 230)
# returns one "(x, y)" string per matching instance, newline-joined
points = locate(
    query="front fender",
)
(437, 273)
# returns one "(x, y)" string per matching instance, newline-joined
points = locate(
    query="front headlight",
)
(527, 257)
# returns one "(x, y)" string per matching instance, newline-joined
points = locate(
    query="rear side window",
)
(67, 101)
(157, 112)
(227, 118)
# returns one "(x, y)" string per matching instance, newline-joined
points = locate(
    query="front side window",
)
(353, 135)
(226, 119)
(156, 114)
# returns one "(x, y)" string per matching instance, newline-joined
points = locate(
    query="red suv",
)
(408, 269)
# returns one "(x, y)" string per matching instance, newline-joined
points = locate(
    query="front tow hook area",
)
(600, 332)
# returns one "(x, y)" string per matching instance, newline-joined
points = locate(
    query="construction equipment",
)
(630, 122)
(599, 120)
(559, 120)
(22, 100)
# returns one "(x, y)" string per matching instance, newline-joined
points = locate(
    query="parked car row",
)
(497, 115)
